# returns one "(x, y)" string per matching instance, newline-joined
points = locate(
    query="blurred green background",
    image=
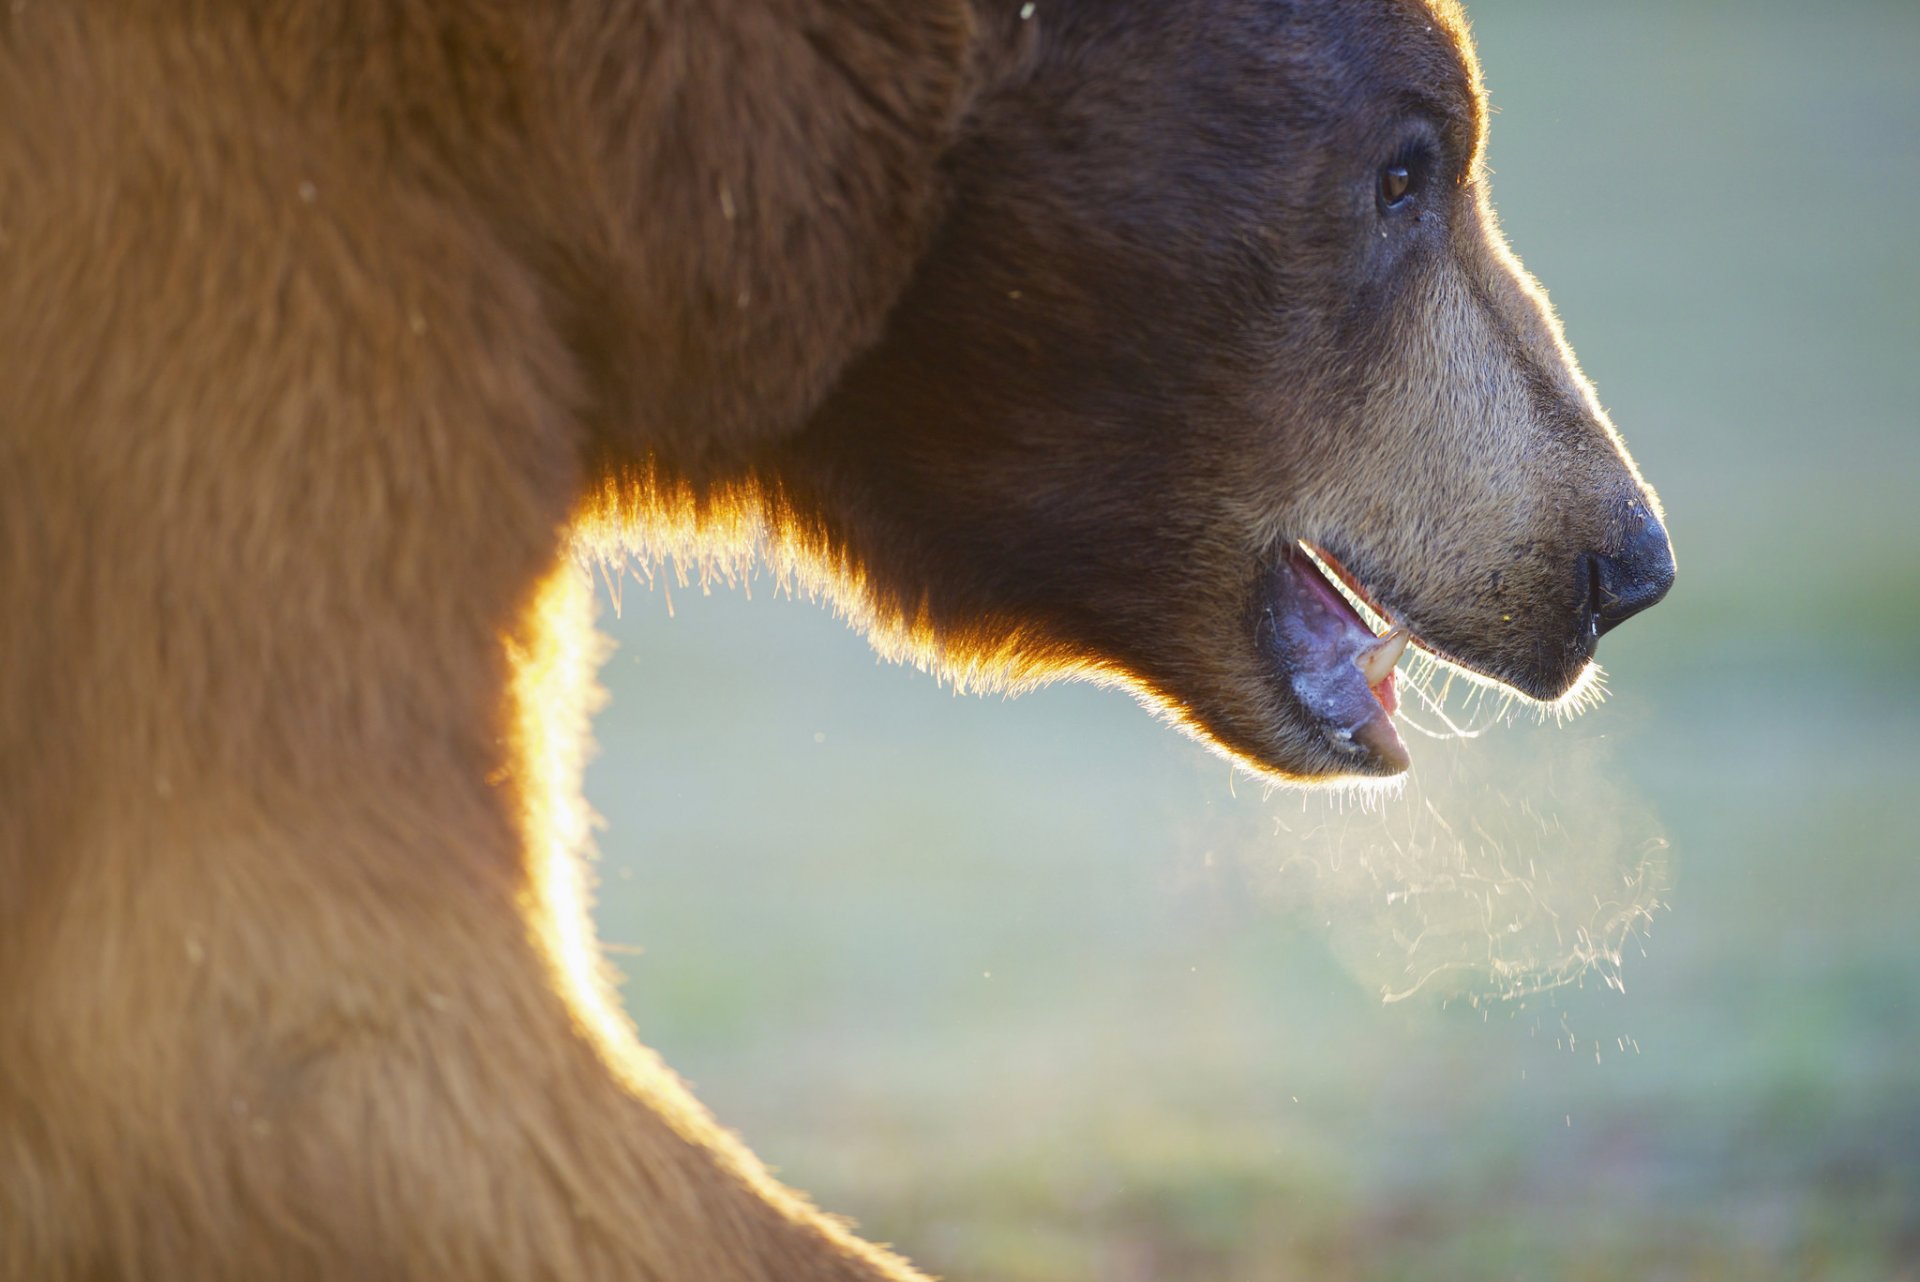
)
(1037, 991)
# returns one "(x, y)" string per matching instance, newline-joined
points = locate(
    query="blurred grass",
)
(1017, 985)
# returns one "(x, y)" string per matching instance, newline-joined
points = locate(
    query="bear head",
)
(1219, 312)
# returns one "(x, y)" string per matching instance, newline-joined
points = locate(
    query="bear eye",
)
(1399, 182)
(1396, 184)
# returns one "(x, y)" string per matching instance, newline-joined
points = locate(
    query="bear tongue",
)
(1339, 670)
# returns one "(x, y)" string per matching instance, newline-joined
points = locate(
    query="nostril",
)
(1630, 578)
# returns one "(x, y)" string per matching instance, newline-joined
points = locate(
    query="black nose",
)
(1629, 578)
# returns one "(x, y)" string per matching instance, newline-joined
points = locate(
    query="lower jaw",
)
(1378, 745)
(1337, 669)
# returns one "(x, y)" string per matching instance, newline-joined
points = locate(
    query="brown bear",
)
(1050, 336)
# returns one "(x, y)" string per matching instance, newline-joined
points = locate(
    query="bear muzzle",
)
(1334, 645)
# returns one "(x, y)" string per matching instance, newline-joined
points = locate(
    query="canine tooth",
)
(1377, 660)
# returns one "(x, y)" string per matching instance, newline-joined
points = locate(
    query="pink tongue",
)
(1388, 696)
(1318, 638)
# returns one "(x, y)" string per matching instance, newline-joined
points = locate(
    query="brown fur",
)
(326, 328)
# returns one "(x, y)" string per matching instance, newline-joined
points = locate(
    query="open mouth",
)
(1339, 669)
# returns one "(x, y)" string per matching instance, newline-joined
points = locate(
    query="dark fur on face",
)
(1167, 330)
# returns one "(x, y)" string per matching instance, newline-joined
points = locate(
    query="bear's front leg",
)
(257, 1060)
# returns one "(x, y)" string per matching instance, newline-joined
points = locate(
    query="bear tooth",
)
(1377, 660)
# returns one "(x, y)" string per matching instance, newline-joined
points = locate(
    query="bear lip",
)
(1327, 654)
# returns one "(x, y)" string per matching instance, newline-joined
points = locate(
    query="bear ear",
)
(761, 234)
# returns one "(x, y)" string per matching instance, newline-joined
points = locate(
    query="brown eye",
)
(1395, 182)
